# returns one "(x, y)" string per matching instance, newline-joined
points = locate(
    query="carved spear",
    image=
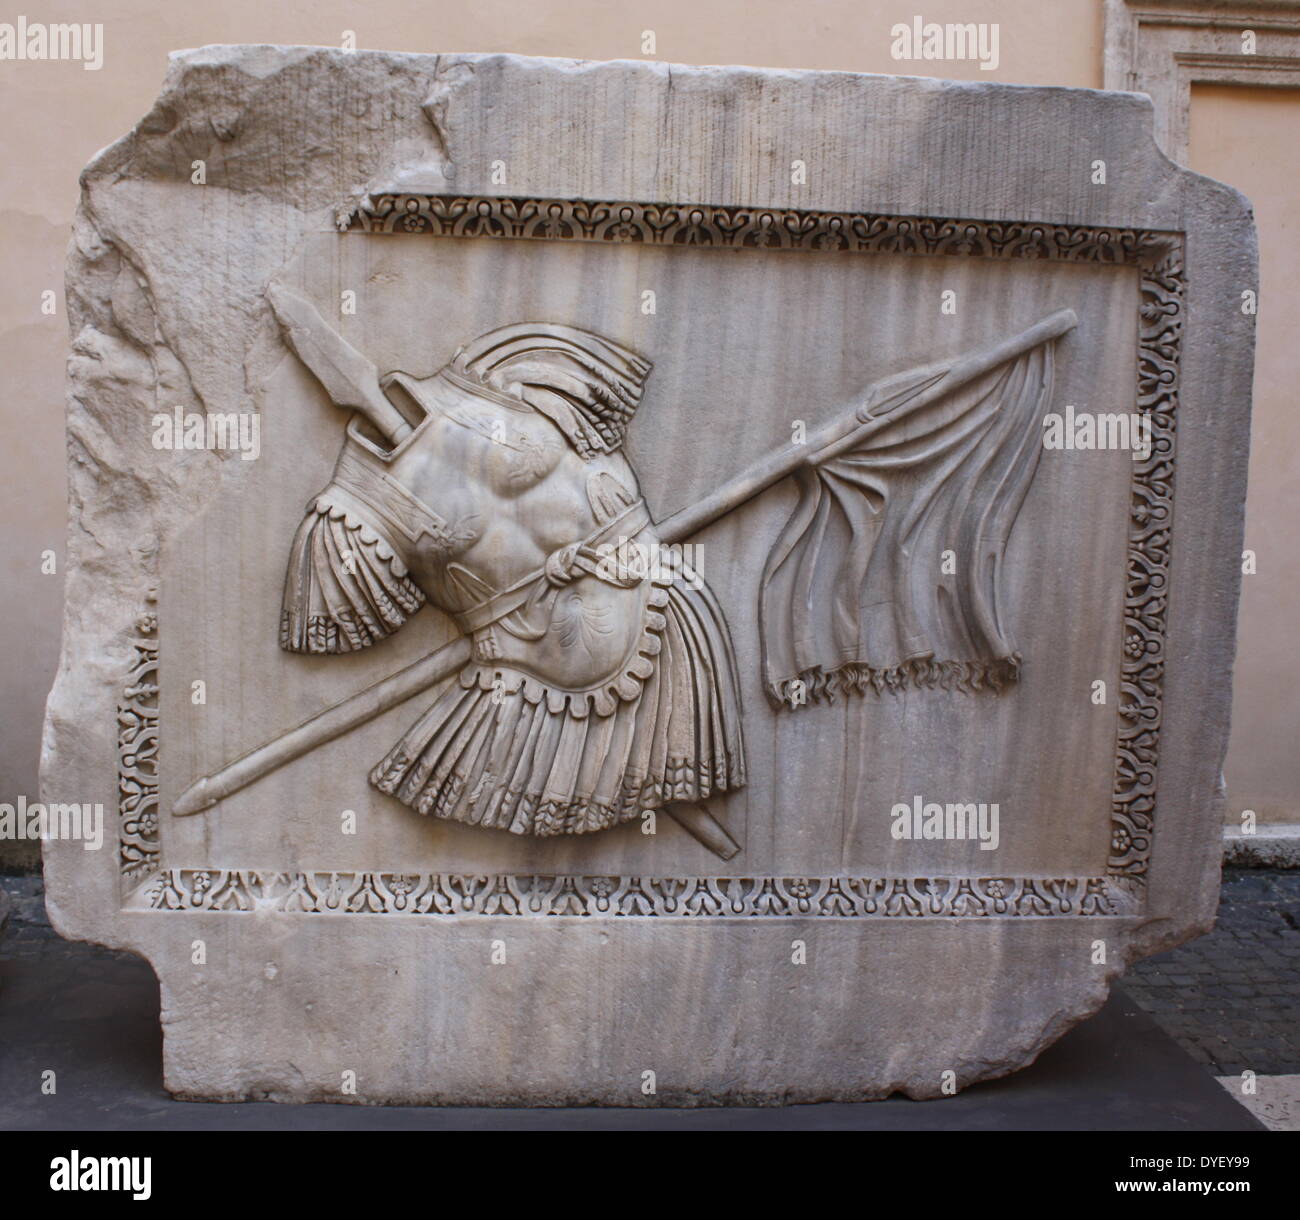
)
(913, 389)
(347, 376)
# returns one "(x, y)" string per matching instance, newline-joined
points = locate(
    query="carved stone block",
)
(600, 583)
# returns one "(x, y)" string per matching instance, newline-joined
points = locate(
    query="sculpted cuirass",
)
(528, 562)
(602, 681)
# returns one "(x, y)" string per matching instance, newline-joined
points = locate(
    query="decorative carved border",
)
(741, 228)
(1164, 47)
(139, 856)
(545, 897)
(1158, 257)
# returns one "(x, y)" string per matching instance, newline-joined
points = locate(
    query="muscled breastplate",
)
(538, 554)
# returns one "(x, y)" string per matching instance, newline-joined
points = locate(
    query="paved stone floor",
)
(1232, 999)
(1274, 1100)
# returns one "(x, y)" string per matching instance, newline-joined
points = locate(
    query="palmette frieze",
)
(513, 895)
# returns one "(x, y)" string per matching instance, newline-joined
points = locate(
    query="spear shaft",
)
(913, 389)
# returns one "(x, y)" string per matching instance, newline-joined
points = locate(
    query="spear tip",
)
(194, 799)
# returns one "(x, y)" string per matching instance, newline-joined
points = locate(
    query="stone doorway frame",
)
(1164, 47)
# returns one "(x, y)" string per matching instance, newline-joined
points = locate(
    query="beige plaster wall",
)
(54, 116)
(1251, 138)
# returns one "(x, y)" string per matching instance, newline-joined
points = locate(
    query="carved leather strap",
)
(630, 522)
(356, 476)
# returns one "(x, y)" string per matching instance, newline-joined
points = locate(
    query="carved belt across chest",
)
(578, 558)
